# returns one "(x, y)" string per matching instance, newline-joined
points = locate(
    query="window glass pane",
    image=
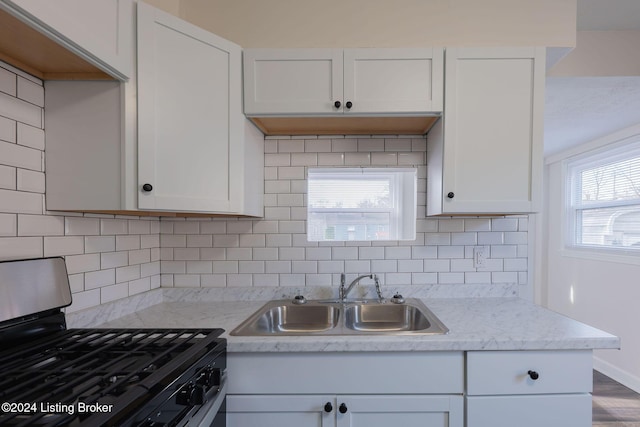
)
(614, 227)
(614, 181)
(605, 199)
(345, 204)
(350, 193)
(349, 226)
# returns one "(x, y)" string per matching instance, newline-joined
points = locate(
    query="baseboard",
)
(623, 377)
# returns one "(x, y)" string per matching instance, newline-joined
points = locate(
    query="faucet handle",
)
(343, 279)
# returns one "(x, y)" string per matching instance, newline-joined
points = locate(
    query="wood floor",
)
(614, 405)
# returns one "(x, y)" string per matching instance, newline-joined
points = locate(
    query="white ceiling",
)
(581, 109)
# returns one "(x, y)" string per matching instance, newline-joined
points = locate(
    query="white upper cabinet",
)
(485, 155)
(381, 81)
(290, 82)
(188, 115)
(172, 139)
(99, 31)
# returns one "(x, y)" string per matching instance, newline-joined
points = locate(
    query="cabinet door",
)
(280, 411)
(292, 81)
(189, 116)
(492, 130)
(393, 80)
(399, 410)
(555, 410)
(100, 31)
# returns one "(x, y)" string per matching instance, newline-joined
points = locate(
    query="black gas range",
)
(54, 376)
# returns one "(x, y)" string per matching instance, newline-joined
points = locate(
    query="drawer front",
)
(346, 373)
(565, 410)
(507, 372)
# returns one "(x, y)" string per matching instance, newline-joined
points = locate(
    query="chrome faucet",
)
(342, 292)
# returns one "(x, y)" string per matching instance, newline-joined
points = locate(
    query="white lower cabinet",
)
(549, 410)
(529, 388)
(548, 388)
(344, 411)
(347, 389)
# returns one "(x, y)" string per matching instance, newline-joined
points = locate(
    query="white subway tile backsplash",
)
(97, 279)
(30, 136)
(20, 247)
(278, 266)
(82, 263)
(113, 227)
(250, 267)
(199, 267)
(200, 241)
(40, 225)
(113, 259)
(8, 225)
(127, 243)
(19, 110)
(384, 159)
(8, 82)
(60, 246)
(30, 91)
(20, 202)
(7, 127)
(140, 285)
(330, 159)
(79, 226)
(490, 238)
(121, 256)
(8, 177)
(240, 280)
(30, 181)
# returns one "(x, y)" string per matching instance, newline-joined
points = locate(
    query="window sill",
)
(607, 255)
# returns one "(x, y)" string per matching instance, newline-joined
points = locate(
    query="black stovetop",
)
(66, 376)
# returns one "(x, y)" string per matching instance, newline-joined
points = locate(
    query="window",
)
(604, 199)
(361, 204)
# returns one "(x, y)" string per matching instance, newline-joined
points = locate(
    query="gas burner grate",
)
(118, 366)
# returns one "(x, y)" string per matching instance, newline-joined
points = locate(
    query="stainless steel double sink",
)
(334, 317)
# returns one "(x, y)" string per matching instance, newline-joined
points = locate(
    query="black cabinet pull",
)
(147, 187)
(450, 194)
(349, 104)
(337, 104)
(342, 408)
(533, 375)
(328, 407)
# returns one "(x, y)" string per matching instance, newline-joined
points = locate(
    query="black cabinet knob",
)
(533, 375)
(328, 407)
(349, 104)
(450, 194)
(147, 187)
(337, 104)
(343, 408)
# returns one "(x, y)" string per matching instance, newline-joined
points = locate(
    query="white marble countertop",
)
(474, 324)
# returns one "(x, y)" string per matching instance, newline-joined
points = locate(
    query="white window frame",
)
(610, 153)
(400, 215)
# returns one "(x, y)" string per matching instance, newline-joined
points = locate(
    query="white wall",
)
(601, 54)
(384, 23)
(605, 291)
(107, 257)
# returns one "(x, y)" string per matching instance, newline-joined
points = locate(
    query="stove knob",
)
(210, 377)
(184, 394)
(198, 395)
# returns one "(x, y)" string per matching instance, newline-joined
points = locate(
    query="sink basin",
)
(286, 318)
(330, 317)
(385, 318)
